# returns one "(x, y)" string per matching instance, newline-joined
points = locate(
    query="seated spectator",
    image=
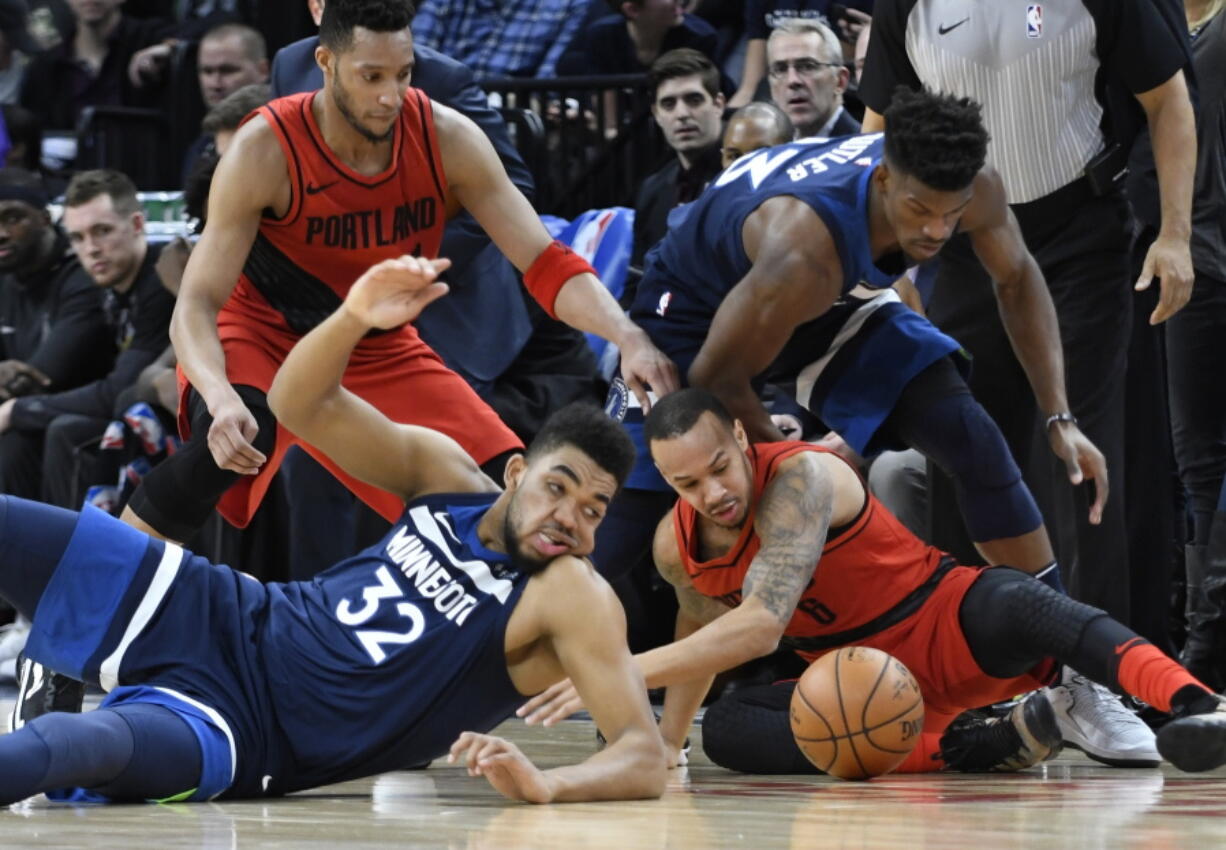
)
(689, 107)
(25, 138)
(524, 38)
(763, 16)
(230, 57)
(752, 127)
(635, 36)
(91, 69)
(105, 226)
(55, 332)
(17, 45)
(808, 78)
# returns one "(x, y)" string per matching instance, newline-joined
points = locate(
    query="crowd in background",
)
(88, 273)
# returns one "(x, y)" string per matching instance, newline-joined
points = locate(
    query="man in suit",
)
(807, 78)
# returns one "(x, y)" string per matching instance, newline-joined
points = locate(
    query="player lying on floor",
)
(222, 686)
(782, 542)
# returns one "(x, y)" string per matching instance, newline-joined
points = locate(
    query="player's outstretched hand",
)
(552, 705)
(643, 365)
(1171, 261)
(394, 292)
(231, 434)
(1083, 460)
(503, 765)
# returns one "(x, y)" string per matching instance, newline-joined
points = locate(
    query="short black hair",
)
(684, 62)
(589, 429)
(229, 113)
(938, 139)
(341, 17)
(24, 126)
(678, 412)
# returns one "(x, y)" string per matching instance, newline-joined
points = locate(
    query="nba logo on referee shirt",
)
(1034, 21)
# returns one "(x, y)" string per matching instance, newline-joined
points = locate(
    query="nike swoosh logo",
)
(941, 30)
(315, 190)
(1129, 644)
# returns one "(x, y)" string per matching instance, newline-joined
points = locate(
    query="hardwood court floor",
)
(1069, 802)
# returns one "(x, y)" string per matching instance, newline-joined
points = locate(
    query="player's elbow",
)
(762, 633)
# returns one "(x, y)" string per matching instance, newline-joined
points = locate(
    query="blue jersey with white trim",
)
(689, 273)
(382, 660)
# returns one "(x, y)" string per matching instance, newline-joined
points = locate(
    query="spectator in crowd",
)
(808, 78)
(638, 33)
(91, 69)
(689, 107)
(230, 57)
(764, 16)
(525, 38)
(105, 226)
(17, 45)
(1196, 352)
(1058, 171)
(55, 334)
(755, 125)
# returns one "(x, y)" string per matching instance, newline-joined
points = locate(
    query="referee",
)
(1040, 71)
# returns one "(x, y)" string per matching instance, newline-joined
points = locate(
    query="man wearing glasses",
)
(807, 78)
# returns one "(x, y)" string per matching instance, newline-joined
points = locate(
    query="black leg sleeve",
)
(748, 730)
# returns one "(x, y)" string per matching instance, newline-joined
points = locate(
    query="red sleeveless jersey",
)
(867, 567)
(339, 222)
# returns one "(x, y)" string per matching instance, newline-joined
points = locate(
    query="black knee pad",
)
(1012, 620)
(749, 730)
(178, 494)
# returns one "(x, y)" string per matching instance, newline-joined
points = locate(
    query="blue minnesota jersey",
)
(688, 274)
(376, 664)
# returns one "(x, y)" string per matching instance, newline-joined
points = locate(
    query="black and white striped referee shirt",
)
(1037, 69)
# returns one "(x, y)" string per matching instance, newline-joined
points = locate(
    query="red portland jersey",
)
(867, 566)
(339, 222)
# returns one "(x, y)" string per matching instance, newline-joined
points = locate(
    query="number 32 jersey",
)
(381, 661)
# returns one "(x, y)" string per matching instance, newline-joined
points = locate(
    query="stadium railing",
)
(593, 140)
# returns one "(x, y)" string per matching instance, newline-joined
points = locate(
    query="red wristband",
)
(551, 270)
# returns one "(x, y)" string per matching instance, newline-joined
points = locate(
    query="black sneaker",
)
(1196, 742)
(40, 692)
(1024, 737)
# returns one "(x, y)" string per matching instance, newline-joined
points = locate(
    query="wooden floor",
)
(1069, 802)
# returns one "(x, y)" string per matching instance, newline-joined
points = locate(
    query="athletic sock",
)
(1050, 576)
(1192, 699)
(1148, 673)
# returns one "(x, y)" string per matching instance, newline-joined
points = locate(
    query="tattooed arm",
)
(793, 516)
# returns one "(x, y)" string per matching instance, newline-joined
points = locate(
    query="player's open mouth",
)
(552, 543)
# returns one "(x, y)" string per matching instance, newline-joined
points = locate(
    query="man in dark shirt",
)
(52, 332)
(106, 228)
(91, 68)
(689, 107)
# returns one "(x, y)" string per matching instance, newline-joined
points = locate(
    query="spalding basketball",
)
(857, 713)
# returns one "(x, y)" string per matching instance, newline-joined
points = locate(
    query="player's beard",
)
(340, 97)
(510, 543)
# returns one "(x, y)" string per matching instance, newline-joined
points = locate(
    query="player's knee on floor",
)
(749, 730)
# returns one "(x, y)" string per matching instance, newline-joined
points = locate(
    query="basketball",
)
(857, 713)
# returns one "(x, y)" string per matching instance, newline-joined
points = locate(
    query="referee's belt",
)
(911, 603)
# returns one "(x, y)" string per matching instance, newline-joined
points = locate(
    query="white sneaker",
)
(12, 641)
(1095, 721)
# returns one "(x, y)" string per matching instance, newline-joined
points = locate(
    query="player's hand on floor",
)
(394, 292)
(503, 766)
(552, 705)
(230, 437)
(643, 365)
(1083, 460)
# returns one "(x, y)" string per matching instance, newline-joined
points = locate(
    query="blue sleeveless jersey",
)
(376, 664)
(688, 274)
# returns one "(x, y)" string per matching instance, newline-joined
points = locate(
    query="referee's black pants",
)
(1082, 245)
